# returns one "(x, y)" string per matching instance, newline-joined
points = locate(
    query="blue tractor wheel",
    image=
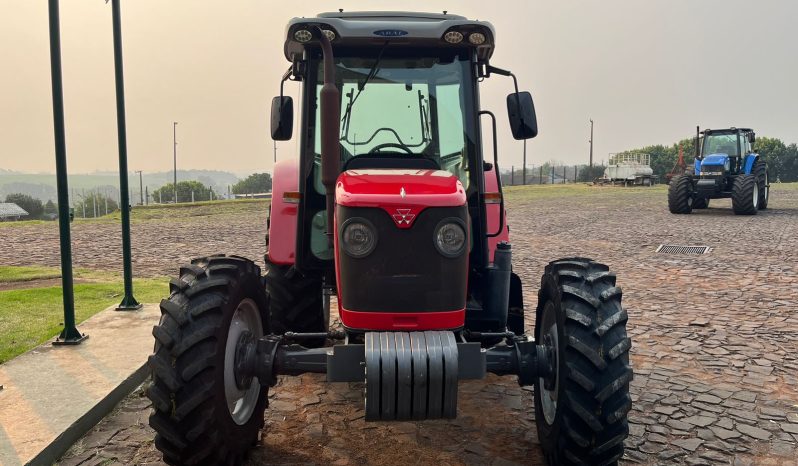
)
(761, 172)
(745, 195)
(680, 195)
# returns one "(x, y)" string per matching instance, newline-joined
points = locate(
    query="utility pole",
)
(128, 303)
(524, 162)
(174, 143)
(591, 144)
(141, 188)
(147, 194)
(70, 334)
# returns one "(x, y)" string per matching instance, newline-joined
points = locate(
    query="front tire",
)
(745, 195)
(680, 195)
(200, 415)
(761, 172)
(701, 203)
(581, 411)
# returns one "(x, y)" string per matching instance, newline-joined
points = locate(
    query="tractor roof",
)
(731, 130)
(375, 28)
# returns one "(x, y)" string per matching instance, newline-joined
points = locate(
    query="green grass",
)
(166, 212)
(550, 191)
(29, 317)
(10, 274)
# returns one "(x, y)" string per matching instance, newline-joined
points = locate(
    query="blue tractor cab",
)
(725, 166)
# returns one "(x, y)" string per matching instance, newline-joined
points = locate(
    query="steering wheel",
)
(394, 145)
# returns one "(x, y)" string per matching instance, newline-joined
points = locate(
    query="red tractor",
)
(392, 208)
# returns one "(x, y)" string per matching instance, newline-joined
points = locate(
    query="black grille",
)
(678, 249)
(405, 272)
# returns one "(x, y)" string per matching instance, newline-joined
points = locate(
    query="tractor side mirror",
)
(282, 118)
(752, 138)
(521, 110)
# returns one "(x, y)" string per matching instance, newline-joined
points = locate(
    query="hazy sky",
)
(647, 72)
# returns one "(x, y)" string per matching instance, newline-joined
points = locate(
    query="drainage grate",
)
(677, 249)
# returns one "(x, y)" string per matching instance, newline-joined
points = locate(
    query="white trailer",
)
(629, 168)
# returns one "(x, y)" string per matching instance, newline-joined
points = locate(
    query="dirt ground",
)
(715, 337)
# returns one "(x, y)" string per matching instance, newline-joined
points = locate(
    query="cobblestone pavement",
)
(715, 340)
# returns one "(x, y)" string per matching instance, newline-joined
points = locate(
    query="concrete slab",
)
(52, 395)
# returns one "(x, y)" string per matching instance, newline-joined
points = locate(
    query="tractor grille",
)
(678, 249)
(405, 272)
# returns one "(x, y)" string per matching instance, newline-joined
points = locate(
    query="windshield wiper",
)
(372, 72)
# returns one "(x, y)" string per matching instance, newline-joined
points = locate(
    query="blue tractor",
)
(725, 166)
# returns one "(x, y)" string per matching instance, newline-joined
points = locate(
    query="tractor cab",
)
(405, 151)
(723, 151)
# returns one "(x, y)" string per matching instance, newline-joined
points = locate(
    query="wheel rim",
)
(756, 196)
(548, 333)
(241, 402)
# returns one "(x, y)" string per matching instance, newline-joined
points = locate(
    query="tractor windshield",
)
(402, 107)
(719, 143)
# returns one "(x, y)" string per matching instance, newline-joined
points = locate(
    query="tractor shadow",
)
(313, 422)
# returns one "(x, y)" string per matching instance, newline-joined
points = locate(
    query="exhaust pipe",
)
(330, 101)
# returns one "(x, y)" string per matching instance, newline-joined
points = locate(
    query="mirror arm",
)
(282, 82)
(503, 72)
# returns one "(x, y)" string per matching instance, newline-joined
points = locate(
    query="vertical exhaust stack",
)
(330, 101)
(697, 142)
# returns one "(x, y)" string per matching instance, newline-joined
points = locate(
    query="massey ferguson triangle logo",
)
(403, 217)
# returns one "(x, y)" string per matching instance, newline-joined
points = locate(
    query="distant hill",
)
(43, 185)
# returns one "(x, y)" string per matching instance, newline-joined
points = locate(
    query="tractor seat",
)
(400, 161)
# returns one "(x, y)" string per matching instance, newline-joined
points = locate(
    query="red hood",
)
(401, 193)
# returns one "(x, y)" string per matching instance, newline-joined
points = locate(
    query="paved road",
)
(715, 339)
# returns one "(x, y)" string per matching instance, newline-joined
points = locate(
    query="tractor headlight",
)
(358, 237)
(450, 237)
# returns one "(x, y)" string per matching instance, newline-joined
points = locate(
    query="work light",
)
(476, 38)
(453, 37)
(303, 35)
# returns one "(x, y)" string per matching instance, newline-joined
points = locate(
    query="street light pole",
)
(128, 303)
(141, 188)
(591, 144)
(70, 334)
(174, 144)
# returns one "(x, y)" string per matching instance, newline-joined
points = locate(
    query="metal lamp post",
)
(70, 335)
(128, 302)
(174, 145)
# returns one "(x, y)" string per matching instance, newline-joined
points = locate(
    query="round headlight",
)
(303, 35)
(358, 237)
(453, 37)
(330, 34)
(476, 38)
(450, 238)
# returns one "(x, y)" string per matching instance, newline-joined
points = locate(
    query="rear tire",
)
(745, 195)
(295, 302)
(198, 416)
(680, 195)
(761, 172)
(701, 203)
(581, 415)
